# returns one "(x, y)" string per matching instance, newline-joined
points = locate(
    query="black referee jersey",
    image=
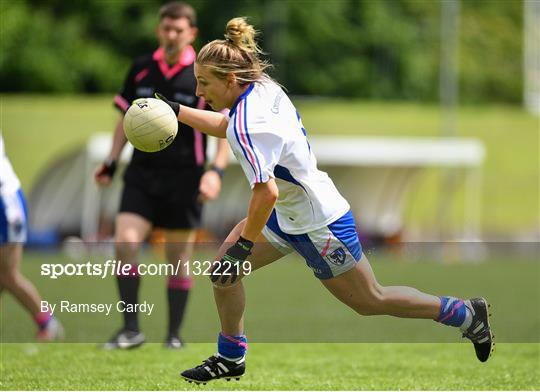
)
(150, 74)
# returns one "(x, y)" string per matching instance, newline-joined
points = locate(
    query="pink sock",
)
(42, 318)
(178, 283)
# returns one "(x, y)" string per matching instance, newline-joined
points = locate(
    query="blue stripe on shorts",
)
(17, 227)
(343, 229)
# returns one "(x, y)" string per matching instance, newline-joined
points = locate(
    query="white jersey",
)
(268, 139)
(9, 182)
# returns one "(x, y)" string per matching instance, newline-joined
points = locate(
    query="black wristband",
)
(175, 106)
(245, 244)
(235, 256)
(240, 251)
(218, 170)
(110, 167)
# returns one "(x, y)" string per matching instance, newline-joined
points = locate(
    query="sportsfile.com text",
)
(119, 268)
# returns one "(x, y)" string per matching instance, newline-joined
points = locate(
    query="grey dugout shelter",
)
(373, 173)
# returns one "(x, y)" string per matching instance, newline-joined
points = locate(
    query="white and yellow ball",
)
(150, 124)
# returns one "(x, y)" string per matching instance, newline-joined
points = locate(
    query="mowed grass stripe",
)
(274, 367)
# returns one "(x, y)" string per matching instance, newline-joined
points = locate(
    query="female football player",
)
(13, 228)
(293, 207)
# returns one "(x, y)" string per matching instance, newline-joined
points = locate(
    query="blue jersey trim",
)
(303, 129)
(242, 147)
(242, 96)
(249, 139)
(283, 173)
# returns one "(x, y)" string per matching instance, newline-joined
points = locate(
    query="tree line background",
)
(373, 49)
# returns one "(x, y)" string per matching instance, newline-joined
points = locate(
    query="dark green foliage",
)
(372, 49)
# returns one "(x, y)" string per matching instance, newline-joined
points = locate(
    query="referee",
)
(164, 189)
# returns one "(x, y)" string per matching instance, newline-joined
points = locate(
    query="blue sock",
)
(232, 347)
(452, 312)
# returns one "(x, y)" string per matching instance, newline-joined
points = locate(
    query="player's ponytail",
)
(242, 34)
(237, 54)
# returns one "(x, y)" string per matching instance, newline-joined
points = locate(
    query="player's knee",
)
(129, 234)
(178, 251)
(372, 303)
(126, 249)
(365, 309)
(9, 279)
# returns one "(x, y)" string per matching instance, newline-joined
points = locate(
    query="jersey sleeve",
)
(126, 95)
(256, 146)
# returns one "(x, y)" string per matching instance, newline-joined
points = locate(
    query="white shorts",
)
(328, 251)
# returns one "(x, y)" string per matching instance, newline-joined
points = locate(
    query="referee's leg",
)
(131, 231)
(179, 246)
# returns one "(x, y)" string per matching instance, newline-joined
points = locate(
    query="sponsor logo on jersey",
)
(277, 100)
(144, 92)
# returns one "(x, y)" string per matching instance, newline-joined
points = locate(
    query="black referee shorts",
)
(167, 198)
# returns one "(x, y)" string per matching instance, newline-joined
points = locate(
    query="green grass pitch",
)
(300, 337)
(331, 366)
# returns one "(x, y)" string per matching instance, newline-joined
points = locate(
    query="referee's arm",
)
(119, 140)
(104, 173)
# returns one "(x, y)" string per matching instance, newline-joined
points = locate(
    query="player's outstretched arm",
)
(211, 123)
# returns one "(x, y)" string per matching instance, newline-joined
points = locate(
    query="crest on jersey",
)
(337, 257)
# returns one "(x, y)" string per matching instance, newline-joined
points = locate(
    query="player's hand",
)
(105, 173)
(210, 186)
(174, 105)
(227, 269)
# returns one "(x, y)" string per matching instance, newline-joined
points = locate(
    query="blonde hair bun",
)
(240, 33)
(237, 54)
